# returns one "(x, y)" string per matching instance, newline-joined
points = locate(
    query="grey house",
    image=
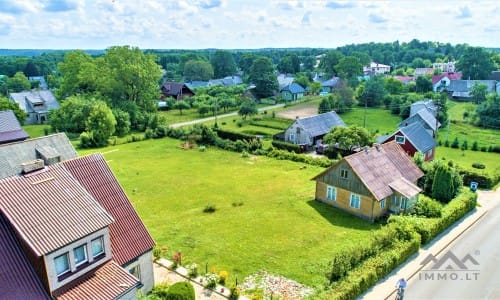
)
(36, 104)
(460, 89)
(425, 119)
(306, 131)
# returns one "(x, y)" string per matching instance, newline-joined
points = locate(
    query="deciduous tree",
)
(18, 83)
(6, 104)
(475, 63)
(223, 64)
(348, 137)
(262, 75)
(198, 70)
(247, 108)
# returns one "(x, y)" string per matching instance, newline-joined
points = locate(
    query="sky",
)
(243, 24)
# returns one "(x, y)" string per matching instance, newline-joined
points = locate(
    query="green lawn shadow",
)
(340, 218)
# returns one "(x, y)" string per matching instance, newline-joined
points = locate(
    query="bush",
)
(484, 180)
(286, 146)
(210, 208)
(455, 143)
(234, 136)
(192, 270)
(474, 147)
(285, 155)
(235, 293)
(427, 207)
(211, 280)
(181, 291)
(478, 165)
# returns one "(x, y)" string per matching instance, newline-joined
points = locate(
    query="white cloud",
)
(464, 13)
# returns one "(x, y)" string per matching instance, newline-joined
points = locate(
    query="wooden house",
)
(292, 92)
(308, 130)
(178, 91)
(413, 139)
(371, 183)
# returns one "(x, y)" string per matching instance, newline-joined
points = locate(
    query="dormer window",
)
(97, 246)
(62, 264)
(80, 254)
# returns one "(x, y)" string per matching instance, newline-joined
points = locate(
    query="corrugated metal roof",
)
(25, 100)
(320, 124)
(50, 209)
(109, 281)
(380, 166)
(422, 115)
(419, 137)
(18, 279)
(10, 129)
(129, 236)
(404, 187)
(14, 154)
(294, 88)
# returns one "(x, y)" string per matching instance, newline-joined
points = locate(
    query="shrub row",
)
(286, 146)
(483, 179)
(261, 124)
(234, 136)
(428, 229)
(285, 155)
(373, 269)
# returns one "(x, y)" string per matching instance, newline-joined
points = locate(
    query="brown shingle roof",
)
(50, 209)
(382, 165)
(109, 281)
(18, 279)
(129, 236)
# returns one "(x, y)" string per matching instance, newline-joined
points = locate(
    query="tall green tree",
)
(372, 92)
(475, 63)
(329, 61)
(31, 70)
(247, 108)
(18, 83)
(324, 105)
(100, 123)
(75, 74)
(349, 137)
(6, 104)
(289, 63)
(198, 70)
(423, 84)
(348, 67)
(262, 75)
(246, 61)
(223, 64)
(488, 112)
(446, 183)
(479, 93)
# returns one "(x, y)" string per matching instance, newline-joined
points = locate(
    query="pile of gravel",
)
(276, 286)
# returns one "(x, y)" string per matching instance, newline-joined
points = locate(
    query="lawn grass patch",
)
(378, 121)
(280, 228)
(35, 131)
(465, 159)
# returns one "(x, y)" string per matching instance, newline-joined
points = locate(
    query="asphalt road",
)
(479, 275)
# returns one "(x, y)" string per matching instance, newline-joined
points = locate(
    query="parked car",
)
(320, 148)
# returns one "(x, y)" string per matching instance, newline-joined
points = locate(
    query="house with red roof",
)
(442, 81)
(70, 231)
(371, 183)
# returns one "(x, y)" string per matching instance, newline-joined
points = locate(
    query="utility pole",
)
(364, 118)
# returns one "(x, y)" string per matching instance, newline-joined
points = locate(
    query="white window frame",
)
(398, 138)
(86, 258)
(101, 239)
(68, 269)
(402, 205)
(292, 137)
(136, 271)
(355, 201)
(344, 174)
(331, 193)
(382, 203)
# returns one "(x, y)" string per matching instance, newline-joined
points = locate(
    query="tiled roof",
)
(14, 154)
(18, 279)
(10, 129)
(419, 137)
(451, 76)
(380, 166)
(293, 88)
(109, 281)
(129, 236)
(320, 124)
(50, 209)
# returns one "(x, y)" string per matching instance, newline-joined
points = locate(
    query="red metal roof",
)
(129, 236)
(18, 279)
(50, 209)
(109, 281)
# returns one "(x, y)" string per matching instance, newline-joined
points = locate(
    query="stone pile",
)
(276, 286)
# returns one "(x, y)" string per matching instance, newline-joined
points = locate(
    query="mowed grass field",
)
(265, 218)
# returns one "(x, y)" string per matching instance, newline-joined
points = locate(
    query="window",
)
(136, 271)
(97, 246)
(400, 139)
(355, 201)
(343, 173)
(331, 193)
(382, 204)
(62, 264)
(292, 137)
(403, 203)
(80, 254)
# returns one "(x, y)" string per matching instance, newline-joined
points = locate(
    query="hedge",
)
(372, 270)
(234, 136)
(285, 155)
(483, 179)
(181, 291)
(286, 146)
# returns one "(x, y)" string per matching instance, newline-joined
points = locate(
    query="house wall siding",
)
(343, 201)
(352, 183)
(131, 295)
(145, 263)
(300, 138)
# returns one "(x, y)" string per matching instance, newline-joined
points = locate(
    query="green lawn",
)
(274, 224)
(466, 158)
(35, 131)
(379, 121)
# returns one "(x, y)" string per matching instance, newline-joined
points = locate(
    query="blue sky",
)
(231, 24)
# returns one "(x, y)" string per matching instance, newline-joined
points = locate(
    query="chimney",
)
(367, 149)
(377, 146)
(31, 166)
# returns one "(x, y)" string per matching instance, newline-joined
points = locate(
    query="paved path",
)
(385, 288)
(176, 125)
